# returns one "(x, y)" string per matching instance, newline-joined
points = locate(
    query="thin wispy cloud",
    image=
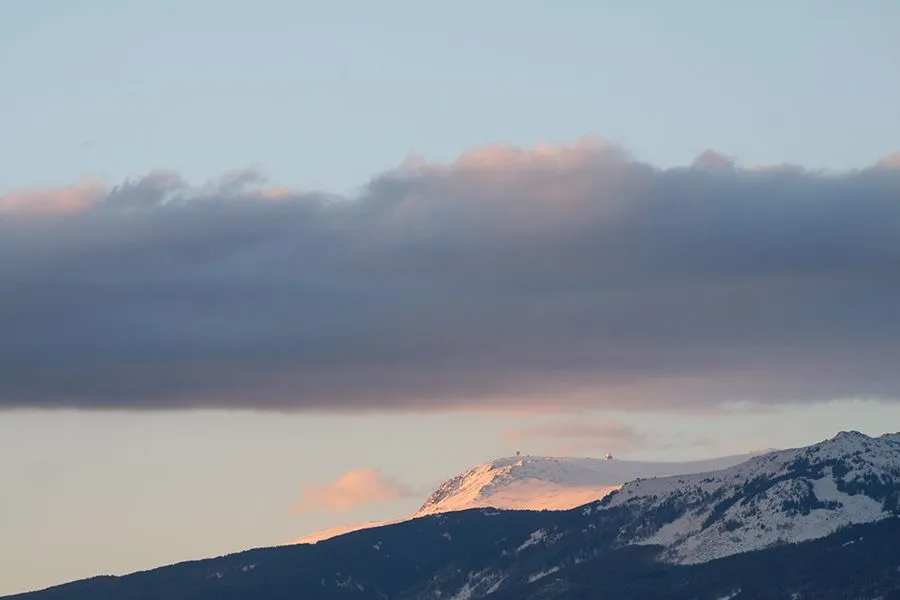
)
(609, 431)
(577, 274)
(353, 489)
(574, 436)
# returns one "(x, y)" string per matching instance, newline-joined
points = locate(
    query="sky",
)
(271, 267)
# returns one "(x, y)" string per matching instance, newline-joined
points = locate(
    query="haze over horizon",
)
(271, 268)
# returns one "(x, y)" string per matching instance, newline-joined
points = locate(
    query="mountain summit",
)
(535, 483)
(549, 483)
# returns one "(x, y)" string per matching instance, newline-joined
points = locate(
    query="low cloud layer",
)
(546, 277)
(574, 436)
(353, 489)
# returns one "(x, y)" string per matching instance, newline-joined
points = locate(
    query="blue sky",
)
(325, 95)
(328, 96)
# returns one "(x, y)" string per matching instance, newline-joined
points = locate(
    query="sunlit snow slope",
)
(538, 483)
(535, 482)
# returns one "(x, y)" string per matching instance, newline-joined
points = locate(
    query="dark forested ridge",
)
(484, 557)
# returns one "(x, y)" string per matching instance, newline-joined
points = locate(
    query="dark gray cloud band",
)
(573, 274)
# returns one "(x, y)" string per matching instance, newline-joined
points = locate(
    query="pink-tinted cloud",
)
(62, 200)
(891, 161)
(353, 489)
(498, 158)
(153, 190)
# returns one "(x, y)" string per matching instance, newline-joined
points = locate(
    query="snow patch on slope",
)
(542, 574)
(534, 538)
(478, 584)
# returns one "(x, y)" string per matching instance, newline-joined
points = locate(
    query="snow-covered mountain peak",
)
(791, 495)
(851, 434)
(554, 483)
(847, 439)
(470, 484)
(536, 483)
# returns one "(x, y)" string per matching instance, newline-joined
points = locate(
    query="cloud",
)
(566, 276)
(890, 162)
(355, 488)
(578, 436)
(611, 430)
(44, 201)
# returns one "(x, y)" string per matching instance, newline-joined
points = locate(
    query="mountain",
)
(792, 495)
(665, 537)
(327, 534)
(860, 562)
(537, 483)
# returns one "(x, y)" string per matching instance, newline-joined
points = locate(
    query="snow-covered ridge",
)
(550, 483)
(536, 483)
(785, 496)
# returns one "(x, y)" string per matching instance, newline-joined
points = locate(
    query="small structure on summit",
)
(608, 456)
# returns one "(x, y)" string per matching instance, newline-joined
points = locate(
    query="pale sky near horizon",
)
(326, 97)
